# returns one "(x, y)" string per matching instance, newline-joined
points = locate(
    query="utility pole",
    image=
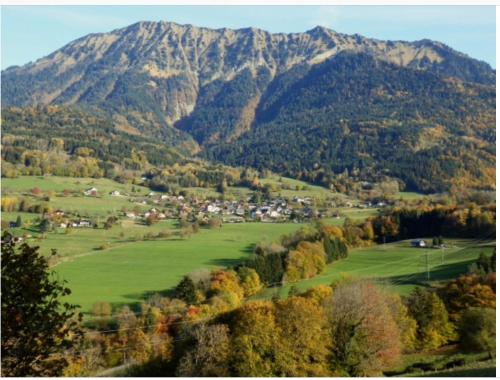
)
(427, 266)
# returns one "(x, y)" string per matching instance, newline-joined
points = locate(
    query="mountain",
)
(310, 104)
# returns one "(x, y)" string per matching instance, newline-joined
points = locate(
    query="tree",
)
(45, 225)
(406, 324)
(365, 337)
(209, 357)
(329, 249)
(303, 346)
(36, 325)
(255, 340)
(466, 292)
(19, 222)
(433, 326)
(102, 309)
(186, 290)
(250, 281)
(226, 284)
(306, 261)
(477, 330)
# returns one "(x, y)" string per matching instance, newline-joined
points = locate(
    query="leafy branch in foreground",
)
(37, 327)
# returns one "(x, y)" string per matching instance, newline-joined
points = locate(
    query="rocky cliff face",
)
(169, 64)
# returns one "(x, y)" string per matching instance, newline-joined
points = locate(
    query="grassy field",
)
(128, 273)
(58, 184)
(103, 205)
(447, 361)
(117, 266)
(397, 265)
(296, 188)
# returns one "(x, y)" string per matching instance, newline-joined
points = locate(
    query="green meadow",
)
(130, 272)
(397, 265)
(121, 267)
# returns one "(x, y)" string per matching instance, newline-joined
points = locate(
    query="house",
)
(131, 215)
(82, 224)
(90, 192)
(115, 193)
(418, 243)
(213, 209)
(274, 214)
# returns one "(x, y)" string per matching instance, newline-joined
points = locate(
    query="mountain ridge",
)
(222, 91)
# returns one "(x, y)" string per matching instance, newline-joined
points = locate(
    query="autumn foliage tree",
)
(306, 261)
(209, 355)
(270, 339)
(365, 336)
(466, 292)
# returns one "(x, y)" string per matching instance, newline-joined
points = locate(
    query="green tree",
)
(186, 290)
(19, 222)
(329, 249)
(433, 326)
(45, 225)
(477, 330)
(36, 326)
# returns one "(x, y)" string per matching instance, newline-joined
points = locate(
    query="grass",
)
(58, 184)
(410, 196)
(447, 361)
(131, 272)
(103, 205)
(81, 241)
(312, 191)
(397, 265)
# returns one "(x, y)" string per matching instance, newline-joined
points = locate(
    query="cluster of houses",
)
(61, 220)
(230, 211)
(166, 206)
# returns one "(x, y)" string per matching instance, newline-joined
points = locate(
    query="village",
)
(192, 208)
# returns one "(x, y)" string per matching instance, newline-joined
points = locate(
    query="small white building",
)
(131, 215)
(418, 243)
(115, 193)
(91, 191)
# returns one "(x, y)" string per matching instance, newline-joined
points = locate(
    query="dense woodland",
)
(408, 124)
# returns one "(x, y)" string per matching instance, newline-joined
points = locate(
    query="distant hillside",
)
(309, 105)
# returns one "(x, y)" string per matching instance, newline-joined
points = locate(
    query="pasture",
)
(129, 272)
(397, 265)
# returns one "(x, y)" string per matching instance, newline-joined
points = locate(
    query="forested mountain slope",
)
(306, 104)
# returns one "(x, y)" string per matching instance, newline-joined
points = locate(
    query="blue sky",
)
(31, 32)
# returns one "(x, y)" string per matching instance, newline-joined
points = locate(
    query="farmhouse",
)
(418, 243)
(115, 193)
(92, 191)
(82, 224)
